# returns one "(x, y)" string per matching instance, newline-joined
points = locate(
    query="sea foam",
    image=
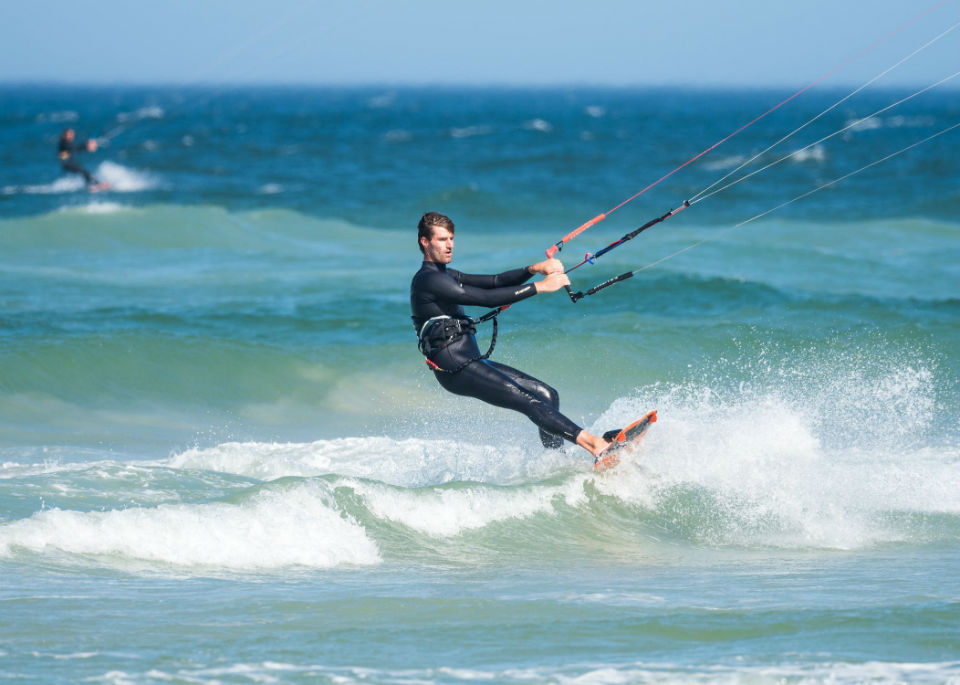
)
(272, 529)
(123, 179)
(406, 462)
(821, 452)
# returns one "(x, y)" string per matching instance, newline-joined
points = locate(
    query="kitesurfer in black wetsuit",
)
(67, 148)
(437, 297)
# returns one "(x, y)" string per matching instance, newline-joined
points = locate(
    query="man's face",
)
(440, 246)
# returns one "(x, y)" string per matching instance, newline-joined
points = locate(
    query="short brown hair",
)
(428, 221)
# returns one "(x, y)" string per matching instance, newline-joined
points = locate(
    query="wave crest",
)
(275, 528)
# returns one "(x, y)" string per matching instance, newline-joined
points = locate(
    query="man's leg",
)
(545, 392)
(491, 383)
(75, 168)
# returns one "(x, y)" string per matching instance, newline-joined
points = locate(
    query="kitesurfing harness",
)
(439, 331)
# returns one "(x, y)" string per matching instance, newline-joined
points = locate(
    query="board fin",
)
(628, 437)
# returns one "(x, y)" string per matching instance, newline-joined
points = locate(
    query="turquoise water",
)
(222, 458)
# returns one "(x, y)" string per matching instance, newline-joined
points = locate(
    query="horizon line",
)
(438, 84)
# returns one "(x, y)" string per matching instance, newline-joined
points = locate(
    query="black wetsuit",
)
(437, 291)
(65, 151)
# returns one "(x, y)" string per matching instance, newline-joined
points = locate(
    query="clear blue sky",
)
(537, 42)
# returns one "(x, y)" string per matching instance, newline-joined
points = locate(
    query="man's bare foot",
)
(594, 444)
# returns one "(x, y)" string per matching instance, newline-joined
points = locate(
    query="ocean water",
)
(222, 459)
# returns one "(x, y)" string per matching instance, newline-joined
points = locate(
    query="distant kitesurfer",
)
(447, 335)
(67, 148)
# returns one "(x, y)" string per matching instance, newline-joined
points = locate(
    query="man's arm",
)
(446, 289)
(461, 292)
(74, 148)
(504, 280)
(512, 277)
(547, 267)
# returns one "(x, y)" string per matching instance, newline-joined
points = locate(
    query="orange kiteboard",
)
(629, 437)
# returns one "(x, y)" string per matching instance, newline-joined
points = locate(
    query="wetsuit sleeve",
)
(460, 292)
(506, 279)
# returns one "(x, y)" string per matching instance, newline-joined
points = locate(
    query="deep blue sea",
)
(223, 460)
